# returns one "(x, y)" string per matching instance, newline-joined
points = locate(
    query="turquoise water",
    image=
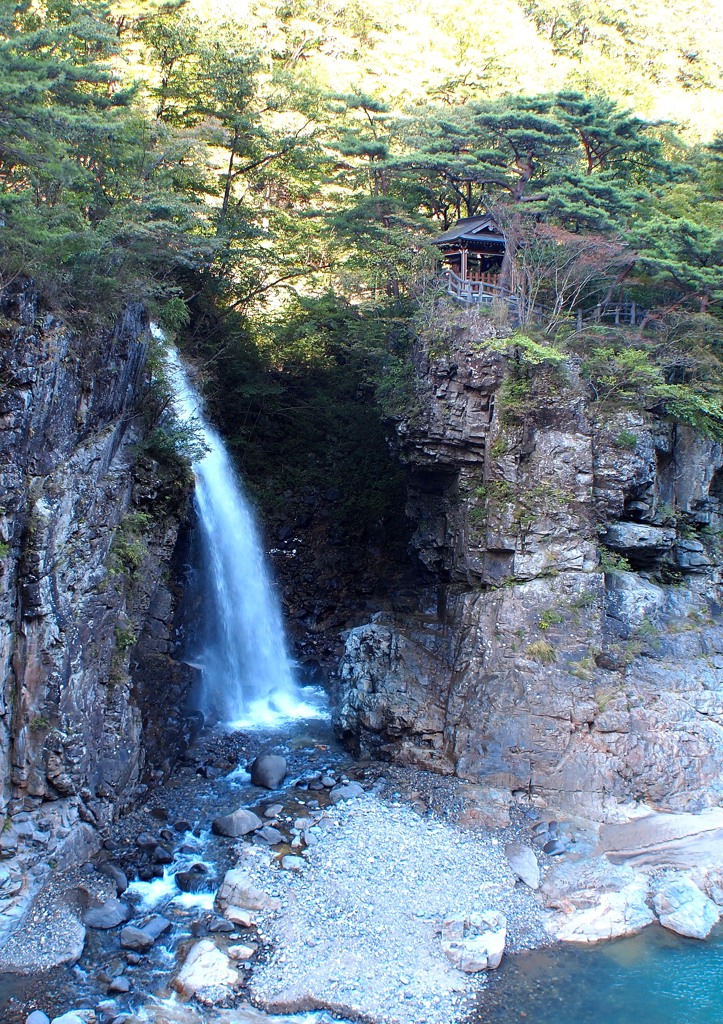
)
(653, 978)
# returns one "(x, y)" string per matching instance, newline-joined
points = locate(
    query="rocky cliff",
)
(572, 647)
(88, 526)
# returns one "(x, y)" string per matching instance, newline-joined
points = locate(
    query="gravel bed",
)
(358, 933)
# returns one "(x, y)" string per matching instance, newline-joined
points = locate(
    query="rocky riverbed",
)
(355, 889)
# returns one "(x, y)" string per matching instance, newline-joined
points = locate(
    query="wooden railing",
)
(484, 290)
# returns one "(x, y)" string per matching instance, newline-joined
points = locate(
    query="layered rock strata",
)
(88, 526)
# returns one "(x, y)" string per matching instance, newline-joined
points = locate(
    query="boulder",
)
(346, 791)
(596, 900)
(523, 864)
(108, 915)
(37, 1017)
(238, 823)
(683, 908)
(268, 771)
(475, 942)
(68, 1018)
(271, 835)
(120, 984)
(207, 974)
(237, 890)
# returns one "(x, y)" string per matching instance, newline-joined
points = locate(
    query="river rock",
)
(120, 984)
(241, 951)
(268, 771)
(346, 791)
(207, 974)
(140, 939)
(37, 1017)
(68, 1018)
(292, 863)
(683, 908)
(273, 810)
(475, 942)
(116, 875)
(195, 879)
(523, 864)
(238, 823)
(271, 835)
(237, 890)
(109, 915)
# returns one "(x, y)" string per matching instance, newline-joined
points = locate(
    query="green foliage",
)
(125, 638)
(626, 439)
(128, 550)
(4, 549)
(613, 561)
(549, 618)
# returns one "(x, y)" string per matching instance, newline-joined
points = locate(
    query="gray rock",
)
(140, 939)
(523, 863)
(238, 823)
(682, 907)
(292, 863)
(268, 771)
(639, 538)
(196, 879)
(273, 810)
(475, 942)
(237, 890)
(120, 984)
(348, 791)
(37, 1017)
(109, 915)
(555, 848)
(205, 968)
(271, 835)
(68, 1018)
(113, 872)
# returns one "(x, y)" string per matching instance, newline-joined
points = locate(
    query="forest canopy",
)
(267, 176)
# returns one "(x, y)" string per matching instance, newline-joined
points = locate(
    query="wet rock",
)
(523, 864)
(196, 879)
(347, 791)
(268, 771)
(182, 825)
(682, 907)
(273, 810)
(68, 1018)
(328, 781)
(159, 813)
(237, 890)
(475, 942)
(109, 915)
(206, 973)
(554, 847)
(146, 841)
(162, 855)
(140, 939)
(236, 916)
(238, 823)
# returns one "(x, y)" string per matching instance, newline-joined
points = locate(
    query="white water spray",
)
(248, 679)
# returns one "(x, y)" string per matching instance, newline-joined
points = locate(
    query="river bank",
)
(380, 856)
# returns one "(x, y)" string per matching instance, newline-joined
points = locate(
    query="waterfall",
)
(247, 677)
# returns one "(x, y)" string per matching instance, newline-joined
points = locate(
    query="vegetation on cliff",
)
(276, 172)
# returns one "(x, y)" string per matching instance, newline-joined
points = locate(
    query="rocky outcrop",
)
(572, 650)
(87, 530)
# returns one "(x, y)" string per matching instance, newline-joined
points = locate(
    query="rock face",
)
(88, 526)
(550, 655)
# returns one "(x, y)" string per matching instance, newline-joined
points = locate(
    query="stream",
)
(251, 696)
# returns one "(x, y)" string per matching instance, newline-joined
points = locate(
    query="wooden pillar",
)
(464, 265)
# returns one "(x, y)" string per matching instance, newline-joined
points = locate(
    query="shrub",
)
(542, 651)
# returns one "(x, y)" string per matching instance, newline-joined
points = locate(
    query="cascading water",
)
(247, 678)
